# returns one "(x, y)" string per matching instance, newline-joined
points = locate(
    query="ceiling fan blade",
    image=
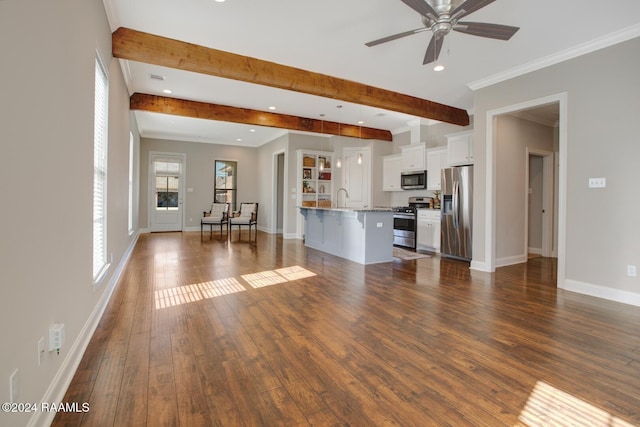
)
(433, 50)
(422, 7)
(492, 31)
(395, 37)
(468, 7)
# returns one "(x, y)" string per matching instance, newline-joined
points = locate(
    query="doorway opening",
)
(166, 191)
(540, 212)
(279, 208)
(495, 222)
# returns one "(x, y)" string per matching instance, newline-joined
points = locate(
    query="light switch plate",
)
(597, 182)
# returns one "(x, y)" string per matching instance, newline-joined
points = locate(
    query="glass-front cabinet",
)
(314, 178)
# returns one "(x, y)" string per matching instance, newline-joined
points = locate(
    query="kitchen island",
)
(363, 235)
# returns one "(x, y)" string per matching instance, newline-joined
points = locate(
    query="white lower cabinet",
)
(428, 233)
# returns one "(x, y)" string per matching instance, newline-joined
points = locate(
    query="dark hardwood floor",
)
(211, 333)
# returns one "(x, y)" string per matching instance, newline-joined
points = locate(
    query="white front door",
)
(166, 178)
(357, 176)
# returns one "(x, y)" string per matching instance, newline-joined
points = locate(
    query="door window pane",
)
(167, 192)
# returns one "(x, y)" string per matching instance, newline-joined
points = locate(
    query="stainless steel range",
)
(404, 226)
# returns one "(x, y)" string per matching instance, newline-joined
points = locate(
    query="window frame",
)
(234, 183)
(100, 170)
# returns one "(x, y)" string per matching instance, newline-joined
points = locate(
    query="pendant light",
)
(360, 143)
(321, 164)
(338, 161)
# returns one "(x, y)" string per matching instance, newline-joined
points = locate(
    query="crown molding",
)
(579, 50)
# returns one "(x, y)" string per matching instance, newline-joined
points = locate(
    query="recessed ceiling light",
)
(156, 76)
(252, 130)
(167, 90)
(272, 108)
(219, 1)
(239, 139)
(360, 122)
(438, 67)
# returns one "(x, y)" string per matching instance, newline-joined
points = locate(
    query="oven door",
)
(404, 230)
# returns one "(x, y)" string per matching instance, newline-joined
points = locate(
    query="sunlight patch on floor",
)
(274, 277)
(198, 291)
(548, 406)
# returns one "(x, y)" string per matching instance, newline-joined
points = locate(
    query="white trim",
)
(62, 379)
(490, 190)
(534, 251)
(582, 49)
(599, 291)
(151, 185)
(478, 265)
(511, 260)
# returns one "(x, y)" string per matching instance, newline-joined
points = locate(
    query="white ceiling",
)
(328, 37)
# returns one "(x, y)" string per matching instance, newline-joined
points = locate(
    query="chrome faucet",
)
(346, 195)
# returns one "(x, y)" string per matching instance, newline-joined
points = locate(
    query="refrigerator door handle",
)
(456, 206)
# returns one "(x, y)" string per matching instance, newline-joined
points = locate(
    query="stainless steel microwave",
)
(413, 180)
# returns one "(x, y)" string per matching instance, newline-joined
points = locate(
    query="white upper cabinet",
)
(460, 148)
(436, 161)
(413, 158)
(391, 171)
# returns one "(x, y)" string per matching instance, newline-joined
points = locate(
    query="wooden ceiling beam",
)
(203, 110)
(152, 49)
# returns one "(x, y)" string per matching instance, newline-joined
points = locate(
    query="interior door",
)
(166, 192)
(357, 176)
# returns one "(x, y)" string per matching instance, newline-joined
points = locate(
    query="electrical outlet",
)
(56, 337)
(631, 270)
(13, 387)
(40, 350)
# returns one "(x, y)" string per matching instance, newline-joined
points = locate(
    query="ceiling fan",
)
(442, 16)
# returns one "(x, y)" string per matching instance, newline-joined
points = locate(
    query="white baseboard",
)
(290, 236)
(535, 251)
(516, 259)
(599, 291)
(479, 265)
(61, 380)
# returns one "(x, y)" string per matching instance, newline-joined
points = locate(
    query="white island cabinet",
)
(364, 236)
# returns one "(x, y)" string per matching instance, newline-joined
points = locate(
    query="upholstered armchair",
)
(217, 215)
(247, 216)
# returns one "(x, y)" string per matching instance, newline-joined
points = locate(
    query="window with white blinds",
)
(100, 172)
(131, 165)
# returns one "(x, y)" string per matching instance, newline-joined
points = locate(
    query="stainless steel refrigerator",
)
(457, 212)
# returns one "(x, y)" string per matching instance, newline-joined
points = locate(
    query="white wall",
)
(46, 130)
(603, 92)
(200, 162)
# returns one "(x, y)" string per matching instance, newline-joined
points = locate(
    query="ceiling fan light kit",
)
(441, 17)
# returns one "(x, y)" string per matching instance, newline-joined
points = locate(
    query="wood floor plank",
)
(422, 342)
